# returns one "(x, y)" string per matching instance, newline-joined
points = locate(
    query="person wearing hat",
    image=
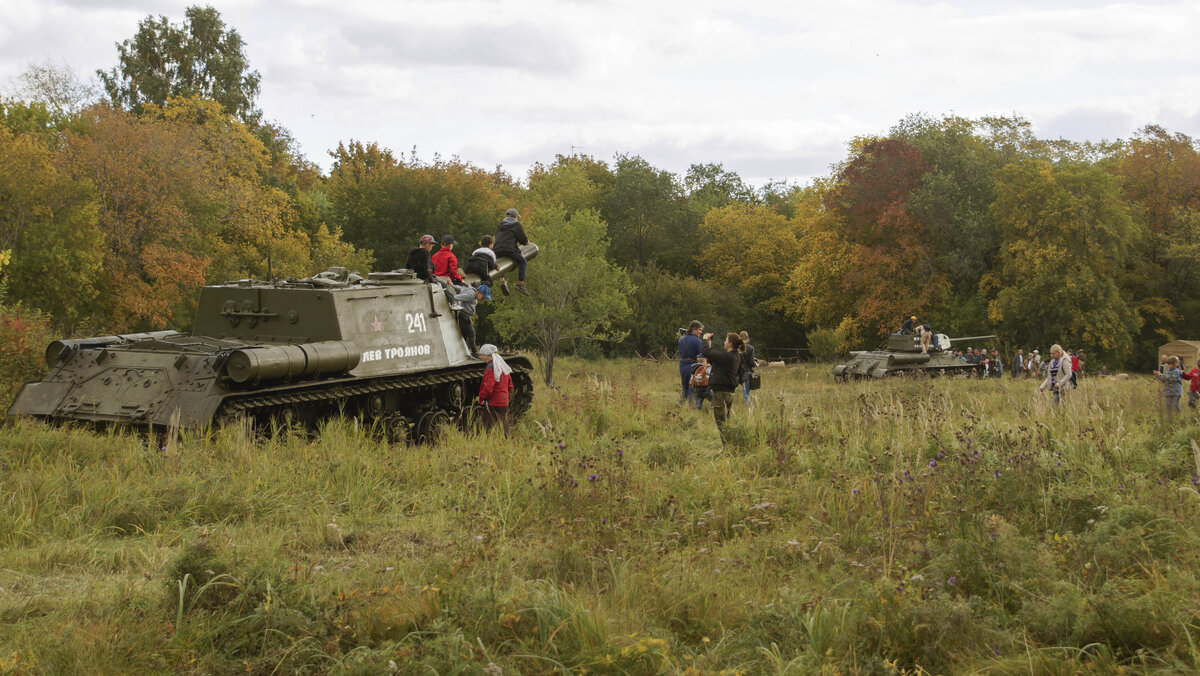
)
(445, 263)
(419, 260)
(463, 300)
(906, 328)
(510, 237)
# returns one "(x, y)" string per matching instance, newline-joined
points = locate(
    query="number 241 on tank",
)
(415, 322)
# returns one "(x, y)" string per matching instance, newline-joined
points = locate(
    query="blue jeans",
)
(685, 376)
(746, 387)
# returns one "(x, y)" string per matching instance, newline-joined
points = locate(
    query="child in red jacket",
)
(494, 389)
(1194, 388)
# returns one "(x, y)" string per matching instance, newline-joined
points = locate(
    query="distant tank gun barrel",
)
(62, 350)
(291, 362)
(962, 340)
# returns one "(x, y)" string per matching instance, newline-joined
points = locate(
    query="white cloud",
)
(770, 89)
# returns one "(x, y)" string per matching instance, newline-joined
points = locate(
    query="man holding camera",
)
(689, 351)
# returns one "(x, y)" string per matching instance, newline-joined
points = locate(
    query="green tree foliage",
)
(1065, 240)
(576, 292)
(1161, 174)
(662, 302)
(574, 183)
(385, 205)
(649, 219)
(952, 199)
(199, 57)
(48, 227)
(709, 186)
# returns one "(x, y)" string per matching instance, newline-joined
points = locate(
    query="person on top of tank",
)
(926, 334)
(445, 263)
(419, 259)
(463, 301)
(907, 327)
(510, 237)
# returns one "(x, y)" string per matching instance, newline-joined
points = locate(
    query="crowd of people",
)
(708, 373)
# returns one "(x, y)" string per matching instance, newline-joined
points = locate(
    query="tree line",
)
(117, 205)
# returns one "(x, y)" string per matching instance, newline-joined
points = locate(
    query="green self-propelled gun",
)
(386, 349)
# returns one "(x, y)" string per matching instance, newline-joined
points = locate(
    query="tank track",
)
(261, 406)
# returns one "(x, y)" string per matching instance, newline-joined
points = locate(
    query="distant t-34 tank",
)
(386, 349)
(903, 356)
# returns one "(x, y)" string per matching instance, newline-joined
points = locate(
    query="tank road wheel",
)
(397, 429)
(432, 425)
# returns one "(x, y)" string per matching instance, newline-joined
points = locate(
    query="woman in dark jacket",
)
(726, 376)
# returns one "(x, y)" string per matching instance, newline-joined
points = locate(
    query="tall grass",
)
(906, 526)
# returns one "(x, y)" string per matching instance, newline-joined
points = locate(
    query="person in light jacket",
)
(1059, 373)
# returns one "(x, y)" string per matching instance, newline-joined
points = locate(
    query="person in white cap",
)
(494, 388)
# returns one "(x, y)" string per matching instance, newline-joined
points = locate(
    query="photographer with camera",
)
(689, 351)
(727, 366)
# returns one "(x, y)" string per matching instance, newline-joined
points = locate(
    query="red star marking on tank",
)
(377, 325)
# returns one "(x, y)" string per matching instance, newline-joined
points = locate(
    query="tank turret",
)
(903, 356)
(385, 348)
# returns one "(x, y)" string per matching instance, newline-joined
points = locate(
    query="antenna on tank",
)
(270, 274)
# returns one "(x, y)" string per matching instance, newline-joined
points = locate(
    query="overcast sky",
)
(772, 90)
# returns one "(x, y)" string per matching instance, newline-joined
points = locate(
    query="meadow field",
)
(902, 527)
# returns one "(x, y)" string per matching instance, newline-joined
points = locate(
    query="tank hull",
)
(904, 357)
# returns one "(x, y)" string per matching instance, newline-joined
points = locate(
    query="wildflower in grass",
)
(996, 474)
(932, 463)
(952, 581)
(854, 491)
(592, 477)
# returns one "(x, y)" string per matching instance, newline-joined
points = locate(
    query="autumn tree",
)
(1065, 240)
(199, 57)
(48, 230)
(894, 273)
(577, 293)
(817, 282)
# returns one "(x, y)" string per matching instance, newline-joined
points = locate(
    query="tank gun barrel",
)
(964, 339)
(505, 265)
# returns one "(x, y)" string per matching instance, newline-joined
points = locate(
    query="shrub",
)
(24, 333)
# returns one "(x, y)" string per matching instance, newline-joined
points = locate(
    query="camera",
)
(682, 331)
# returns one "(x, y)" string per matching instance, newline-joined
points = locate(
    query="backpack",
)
(699, 376)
